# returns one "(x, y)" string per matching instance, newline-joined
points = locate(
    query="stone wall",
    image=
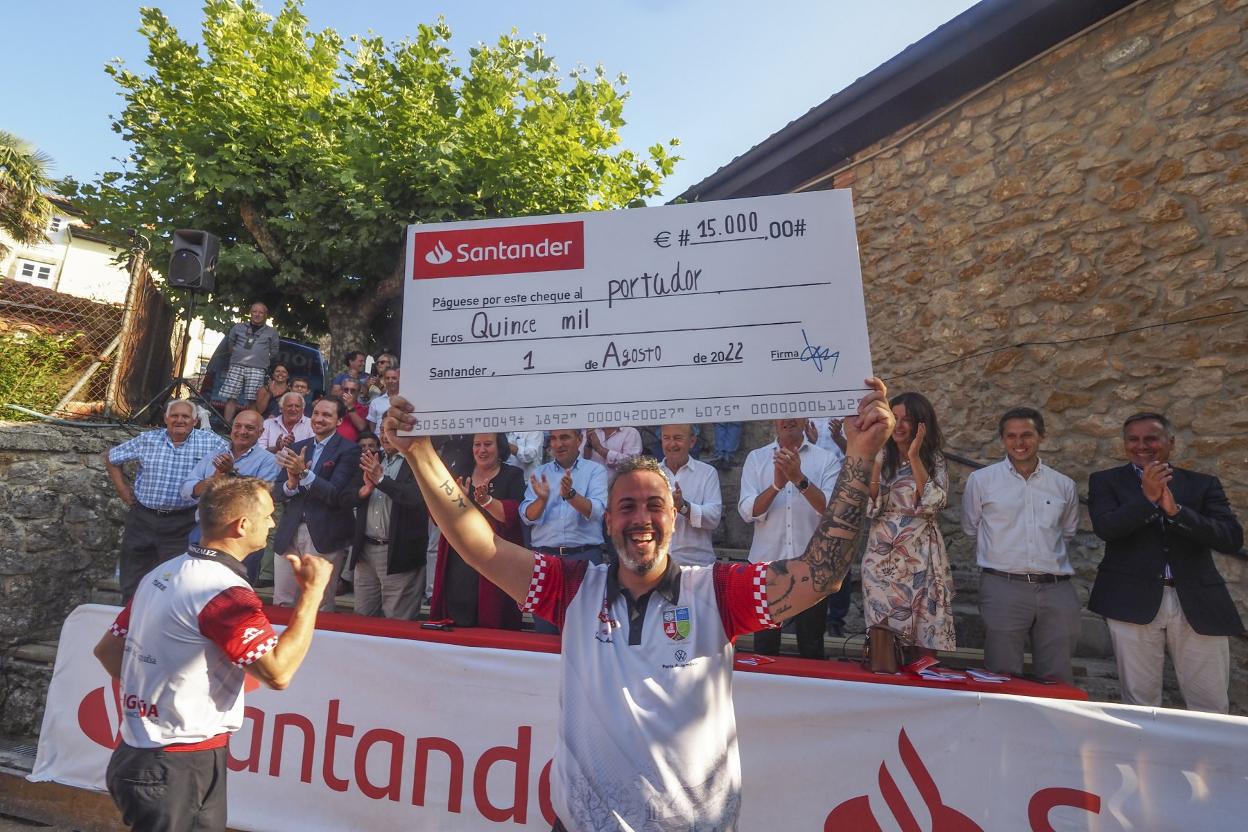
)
(60, 522)
(1101, 188)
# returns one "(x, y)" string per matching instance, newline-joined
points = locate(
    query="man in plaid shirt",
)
(160, 518)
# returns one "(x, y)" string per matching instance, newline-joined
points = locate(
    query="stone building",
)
(1052, 209)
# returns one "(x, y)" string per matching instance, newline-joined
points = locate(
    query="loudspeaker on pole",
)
(193, 264)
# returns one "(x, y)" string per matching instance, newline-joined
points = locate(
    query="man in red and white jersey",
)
(181, 649)
(647, 731)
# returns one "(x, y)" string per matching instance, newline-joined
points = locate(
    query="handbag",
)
(882, 650)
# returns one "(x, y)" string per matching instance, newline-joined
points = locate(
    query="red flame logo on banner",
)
(856, 814)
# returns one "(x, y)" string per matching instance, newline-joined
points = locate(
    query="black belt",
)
(567, 550)
(165, 512)
(1029, 577)
(376, 541)
(1167, 582)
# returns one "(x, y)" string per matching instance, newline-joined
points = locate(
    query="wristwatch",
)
(571, 494)
(684, 509)
(803, 484)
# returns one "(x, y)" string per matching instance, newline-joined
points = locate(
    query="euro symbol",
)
(663, 239)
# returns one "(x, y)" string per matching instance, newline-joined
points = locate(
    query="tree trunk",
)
(348, 329)
(349, 319)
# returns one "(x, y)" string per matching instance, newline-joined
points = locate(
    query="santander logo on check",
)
(507, 249)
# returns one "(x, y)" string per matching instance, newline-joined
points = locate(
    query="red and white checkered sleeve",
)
(552, 587)
(741, 592)
(234, 621)
(121, 624)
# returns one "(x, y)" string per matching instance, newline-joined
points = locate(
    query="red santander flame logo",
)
(856, 813)
(499, 249)
(100, 722)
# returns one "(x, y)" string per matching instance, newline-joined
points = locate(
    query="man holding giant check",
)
(647, 730)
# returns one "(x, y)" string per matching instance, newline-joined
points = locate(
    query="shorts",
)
(247, 380)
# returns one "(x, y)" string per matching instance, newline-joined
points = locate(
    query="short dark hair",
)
(342, 406)
(629, 465)
(1147, 416)
(1021, 413)
(227, 499)
(351, 356)
(368, 434)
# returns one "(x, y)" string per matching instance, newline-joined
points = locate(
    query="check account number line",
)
(609, 334)
(606, 369)
(584, 301)
(651, 402)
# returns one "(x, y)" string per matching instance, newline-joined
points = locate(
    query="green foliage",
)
(35, 370)
(24, 210)
(309, 153)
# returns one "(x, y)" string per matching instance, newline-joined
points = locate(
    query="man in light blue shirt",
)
(564, 503)
(244, 458)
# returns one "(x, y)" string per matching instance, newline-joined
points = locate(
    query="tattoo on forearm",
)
(831, 550)
(779, 583)
(457, 496)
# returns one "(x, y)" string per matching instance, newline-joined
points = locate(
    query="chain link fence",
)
(73, 357)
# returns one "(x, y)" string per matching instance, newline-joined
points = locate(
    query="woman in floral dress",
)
(906, 583)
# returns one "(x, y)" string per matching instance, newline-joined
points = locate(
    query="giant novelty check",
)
(708, 312)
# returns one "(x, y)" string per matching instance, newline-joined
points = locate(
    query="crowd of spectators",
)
(346, 493)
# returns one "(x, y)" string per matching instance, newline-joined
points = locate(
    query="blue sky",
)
(721, 76)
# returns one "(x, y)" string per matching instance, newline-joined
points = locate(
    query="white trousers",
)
(286, 588)
(1202, 663)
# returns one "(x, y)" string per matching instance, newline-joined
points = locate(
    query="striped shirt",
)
(163, 466)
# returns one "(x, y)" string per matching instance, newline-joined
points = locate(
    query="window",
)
(55, 224)
(32, 272)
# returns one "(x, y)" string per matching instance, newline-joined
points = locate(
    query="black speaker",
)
(193, 264)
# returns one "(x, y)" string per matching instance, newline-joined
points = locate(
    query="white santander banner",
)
(381, 733)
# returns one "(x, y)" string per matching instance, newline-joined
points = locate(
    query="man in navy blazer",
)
(322, 475)
(1157, 585)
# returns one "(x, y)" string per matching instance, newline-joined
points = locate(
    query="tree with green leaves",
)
(24, 208)
(309, 154)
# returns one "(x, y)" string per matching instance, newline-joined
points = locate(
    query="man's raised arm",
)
(794, 585)
(506, 565)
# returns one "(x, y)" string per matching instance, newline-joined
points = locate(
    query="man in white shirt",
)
(695, 491)
(611, 446)
(378, 405)
(1021, 514)
(287, 427)
(785, 487)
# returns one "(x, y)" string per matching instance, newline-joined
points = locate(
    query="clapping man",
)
(388, 555)
(1158, 586)
(696, 494)
(245, 458)
(319, 490)
(785, 487)
(289, 426)
(563, 504)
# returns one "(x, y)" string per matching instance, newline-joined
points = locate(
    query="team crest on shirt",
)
(676, 623)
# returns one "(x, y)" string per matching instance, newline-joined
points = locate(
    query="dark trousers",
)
(148, 540)
(838, 603)
(168, 791)
(809, 623)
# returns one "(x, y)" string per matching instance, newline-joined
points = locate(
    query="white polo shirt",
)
(192, 626)
(647, 730)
